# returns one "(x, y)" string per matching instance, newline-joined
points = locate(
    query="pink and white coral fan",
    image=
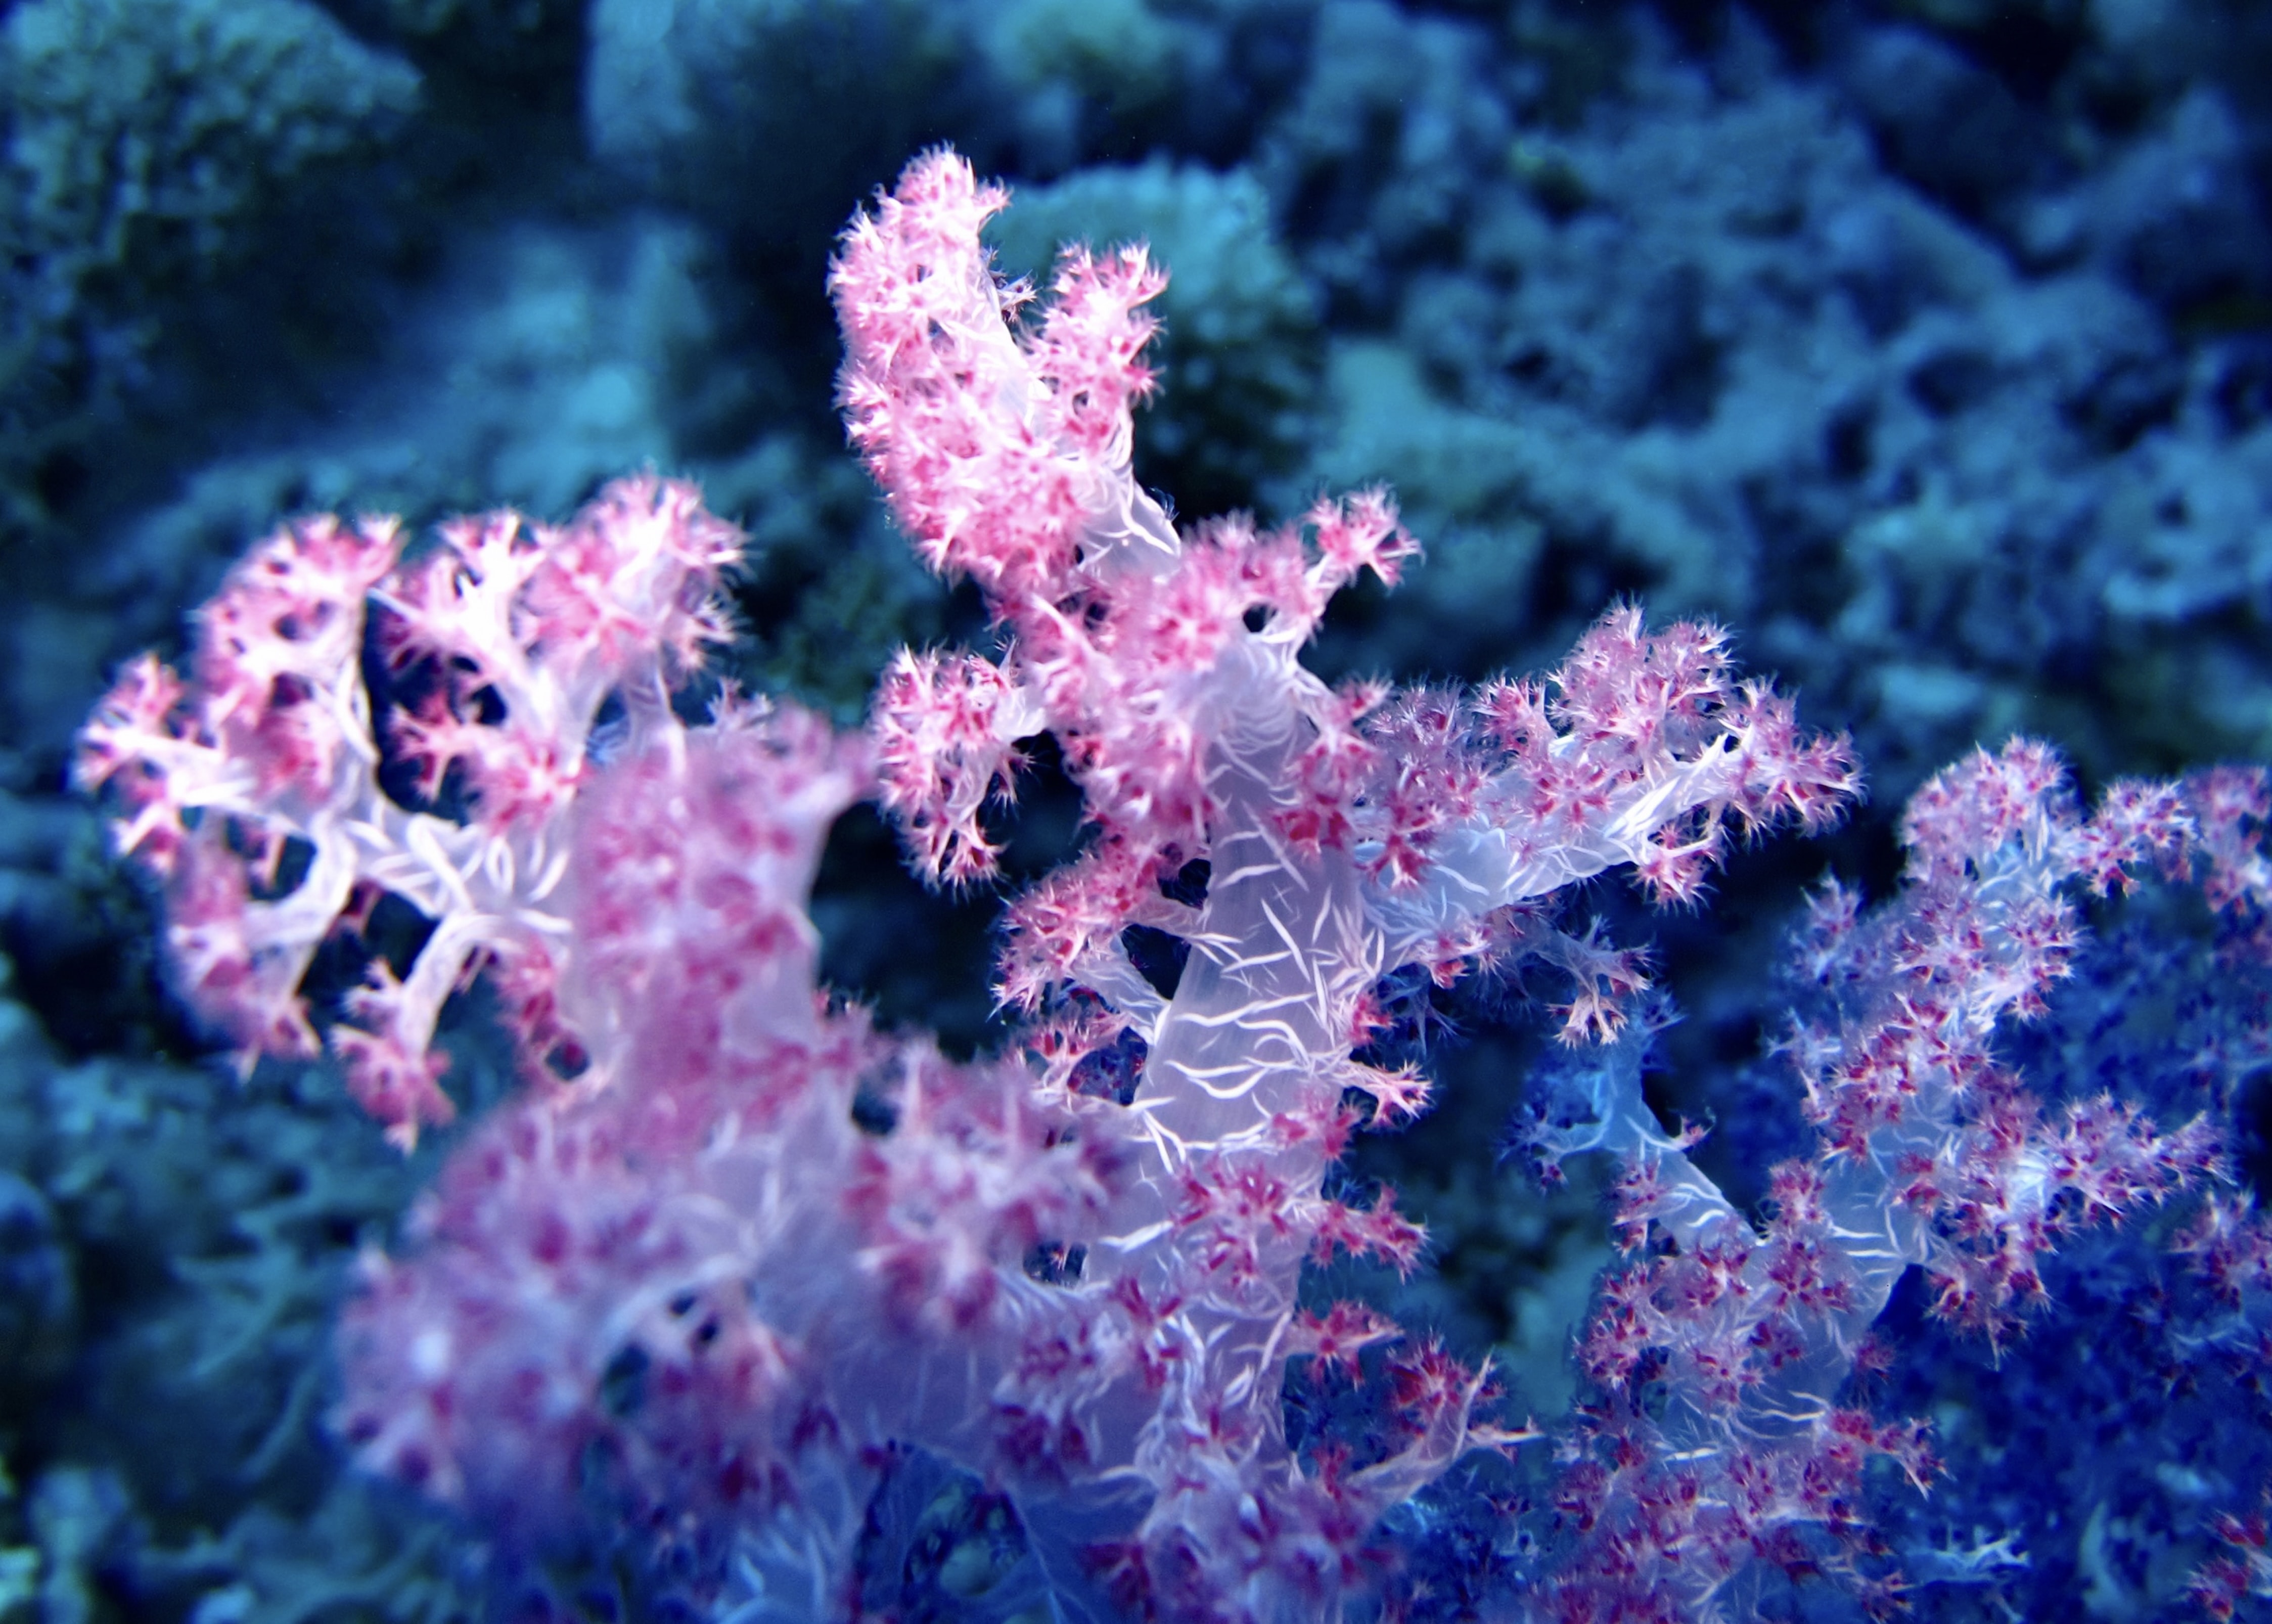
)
(1342, 835)
(1715, 1449)
(759, 1251)
(268, 760)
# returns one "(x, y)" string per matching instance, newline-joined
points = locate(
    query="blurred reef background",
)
(1927, 344)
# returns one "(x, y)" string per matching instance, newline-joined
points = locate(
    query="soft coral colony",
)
(736, 1257)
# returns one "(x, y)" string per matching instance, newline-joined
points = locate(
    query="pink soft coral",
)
(271, 754)
(694, 1285)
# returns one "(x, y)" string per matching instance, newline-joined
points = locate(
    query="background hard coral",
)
(150, 145)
